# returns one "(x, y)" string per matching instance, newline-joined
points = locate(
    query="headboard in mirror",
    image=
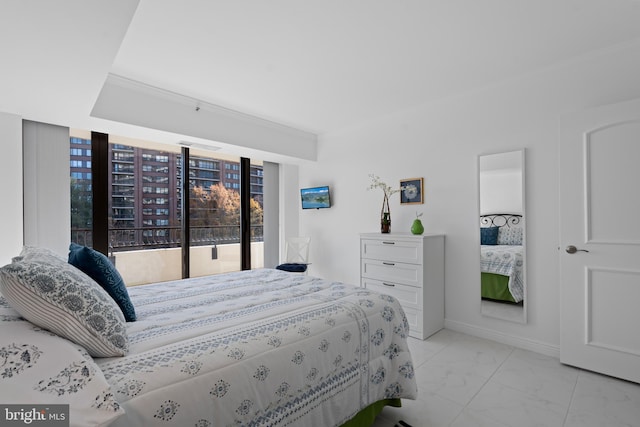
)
(502, 236)
(499, 220)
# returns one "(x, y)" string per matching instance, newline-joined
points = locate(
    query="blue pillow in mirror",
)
(489, 235)
(99, 268)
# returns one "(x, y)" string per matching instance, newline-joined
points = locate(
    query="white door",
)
(600, 213)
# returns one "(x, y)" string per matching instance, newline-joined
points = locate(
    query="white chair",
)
(297, 255)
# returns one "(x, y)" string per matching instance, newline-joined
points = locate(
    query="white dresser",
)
(410, 268)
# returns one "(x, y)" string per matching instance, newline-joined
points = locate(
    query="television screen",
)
(315, 198)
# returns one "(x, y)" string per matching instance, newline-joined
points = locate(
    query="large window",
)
(81, 189)
(144, 218)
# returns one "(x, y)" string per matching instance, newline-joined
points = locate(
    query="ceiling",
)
(314, 65)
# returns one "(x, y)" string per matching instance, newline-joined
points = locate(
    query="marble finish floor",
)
(465, 381)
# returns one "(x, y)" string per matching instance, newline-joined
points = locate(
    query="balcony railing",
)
(128, 239)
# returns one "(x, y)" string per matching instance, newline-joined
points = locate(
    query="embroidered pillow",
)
(56, 296)
(41, 368)
(489, 235)
(510, 236)
(99, 268)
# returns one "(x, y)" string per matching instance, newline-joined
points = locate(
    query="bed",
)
(254, 348)
(501, 258)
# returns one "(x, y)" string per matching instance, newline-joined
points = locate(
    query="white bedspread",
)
(259, 348)
(506, 260)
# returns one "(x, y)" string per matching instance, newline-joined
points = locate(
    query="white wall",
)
(441, 142)
(10, 186)
(501, 192)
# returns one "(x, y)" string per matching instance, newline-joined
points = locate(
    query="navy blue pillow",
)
(293, 267)
(99, 268)
(489, 235)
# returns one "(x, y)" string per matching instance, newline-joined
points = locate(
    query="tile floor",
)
(464, 381)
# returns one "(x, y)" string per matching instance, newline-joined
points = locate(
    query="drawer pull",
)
(388, 243)
(388, 284)
(388, 263)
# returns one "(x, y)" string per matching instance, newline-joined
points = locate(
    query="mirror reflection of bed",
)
(501, 265)
(502, 236)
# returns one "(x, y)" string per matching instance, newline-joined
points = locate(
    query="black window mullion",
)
(185, 226)
(100, 191)
(245, 213)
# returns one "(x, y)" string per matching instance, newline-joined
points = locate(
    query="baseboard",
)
(501, 337)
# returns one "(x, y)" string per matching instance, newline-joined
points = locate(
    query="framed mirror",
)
(502, 220)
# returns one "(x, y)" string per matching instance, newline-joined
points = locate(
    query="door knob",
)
(572, 249)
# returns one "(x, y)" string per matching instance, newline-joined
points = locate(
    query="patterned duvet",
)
(259, 348)
(505, 260)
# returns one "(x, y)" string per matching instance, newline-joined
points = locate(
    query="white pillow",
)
(510, 235)
(35, 252)
(41, 368)
(55, 295)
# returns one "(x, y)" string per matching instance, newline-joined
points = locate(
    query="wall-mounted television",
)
(315, 197)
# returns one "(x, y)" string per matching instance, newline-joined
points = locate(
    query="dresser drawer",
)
(410, 299)
(392, 250)
(408, 296)
(394, 272)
